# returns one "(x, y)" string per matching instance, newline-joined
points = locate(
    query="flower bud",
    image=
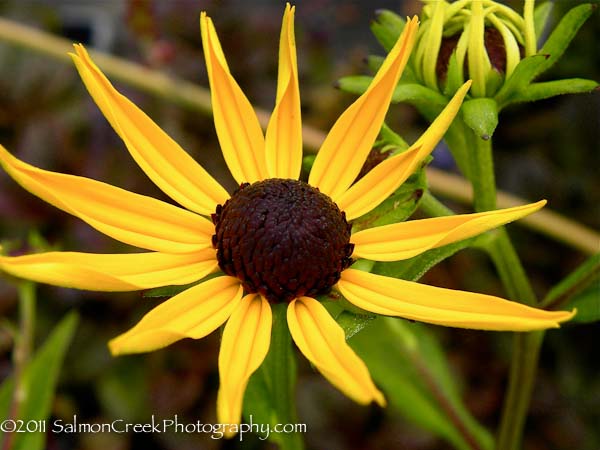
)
(481, 40)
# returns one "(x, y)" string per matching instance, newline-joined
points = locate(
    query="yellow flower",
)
(276, 239)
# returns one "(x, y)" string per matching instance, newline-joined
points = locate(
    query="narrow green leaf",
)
(355, 84)
(481, 115)
(414, 268)
(540, 17)
(521, 77)
(417, 94)
(387, 27)
(404, 92)
(353, 323)
(407, 362)
(270, 395)
(40, 378)
(171, 291)
(581, 290)
(529, 68)
(563, 34)
(547, 89)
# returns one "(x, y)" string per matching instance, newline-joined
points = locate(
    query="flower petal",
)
(194, 313)
(283, 144)
(245, 344)
(386, 177)
(159, 156)
(407, 239)
(401, 298)
(97, 272)
(322, 341)
(131, 218)
(238, 129)
(348, 143)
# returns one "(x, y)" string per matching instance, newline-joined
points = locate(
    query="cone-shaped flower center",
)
(282, 239)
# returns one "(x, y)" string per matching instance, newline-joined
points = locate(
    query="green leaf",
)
(547, 89)
(481, 115)
(269, 396)
(407, 362)
(581, 290)
(39, 381)
(417, 94)
(540, 17)
(397, 207)
(525, 71)
(353, 323)
(405, 92)
(414, 268)
(529, 68)
(387, 27)
(355, 84)
(171, 291)
(562, 35)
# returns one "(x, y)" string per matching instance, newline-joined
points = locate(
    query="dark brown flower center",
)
(282, 239)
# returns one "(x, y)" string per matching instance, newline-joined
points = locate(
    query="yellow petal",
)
(159, 156)
(131, 218)
(386, 177)
(244, 346)
(400, 298)
(238, 129)
(407, 239)
(96, 272)
(283, 143)
(322, 341)
(351, 138)
(194, 313)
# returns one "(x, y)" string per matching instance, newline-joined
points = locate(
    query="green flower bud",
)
(481, 40)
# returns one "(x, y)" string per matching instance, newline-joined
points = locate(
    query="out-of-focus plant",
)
(500, 51)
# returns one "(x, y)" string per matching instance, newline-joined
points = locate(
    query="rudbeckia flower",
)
(275, 239)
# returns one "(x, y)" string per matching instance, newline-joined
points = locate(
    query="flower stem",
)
(482, 172)
(21, 354)
(526, 346)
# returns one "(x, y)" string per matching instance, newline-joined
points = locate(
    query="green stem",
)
(21, 354)
(526, 346)
(482, 172)
(510, 269)
(280, 367)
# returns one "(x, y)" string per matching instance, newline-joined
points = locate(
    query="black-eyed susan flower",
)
(275, 239)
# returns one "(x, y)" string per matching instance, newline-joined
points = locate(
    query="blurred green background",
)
(545, 150)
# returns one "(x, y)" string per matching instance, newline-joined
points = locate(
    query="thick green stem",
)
(526, 346)
(482, 172)
(21, 354)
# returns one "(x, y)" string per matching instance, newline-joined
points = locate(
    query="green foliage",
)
(406, 360)
(39, 381)
(269, 397)
(517, 87)
(387, 27)
(580, 290)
